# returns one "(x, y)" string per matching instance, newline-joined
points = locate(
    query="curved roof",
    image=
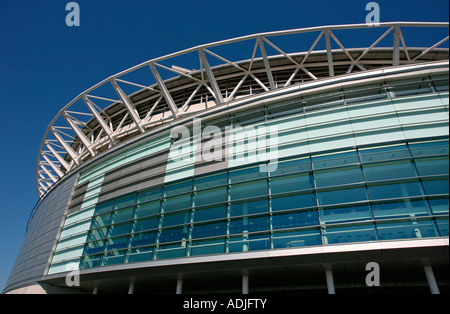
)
(167, 88)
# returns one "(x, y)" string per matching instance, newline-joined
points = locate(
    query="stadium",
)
(287, 169)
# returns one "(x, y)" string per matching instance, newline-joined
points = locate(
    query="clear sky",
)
(44, 64)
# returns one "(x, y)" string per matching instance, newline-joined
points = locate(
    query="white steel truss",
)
(69, 141)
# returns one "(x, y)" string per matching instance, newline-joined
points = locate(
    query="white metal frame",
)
(70, 139)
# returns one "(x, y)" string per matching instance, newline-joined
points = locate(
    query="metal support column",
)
(329, 52)
(431, 279)
(131, 288)
(179, 286)
(396, 46)
(245, 283)
(330, 281)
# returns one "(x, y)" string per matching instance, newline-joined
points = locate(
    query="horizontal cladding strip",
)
(318, 254)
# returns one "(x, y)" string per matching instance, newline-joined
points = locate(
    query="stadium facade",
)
(200, 172)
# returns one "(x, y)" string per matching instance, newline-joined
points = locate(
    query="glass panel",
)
(149, 195)
(246, 174)
(103, 208)
(389, 170)
(347, 213)
(90, 261)
(408, 87)
(171, 251)
(250, 207)
(96, 234)
(211, 196)
(338, 176)
(249, 224)
(140, 255)
(175, 219)
(113, 258)
(395, 190)
(384, 153)
(442, 224)
(143, 238)
(100, 221)
(406, 229)
(247, 190)
(116, 243)
(369, 93)
(177, 188)
(339, 196)
(293, 201)
(177, 202)
(145, 224)
(295, 219)
(122, 215)
(431, 166)
(120, 229)
(436, 186)
(291, 183)
(349, 233)
(249, 243)
(405, 207)
(204, 247)
(439, 205)
(209, 230)
(210, 213)
(125, 201)
(297, 238)
(292, 166)
(174, 234)
(206, 182)
(429, 148)
(147, 209)
(335, 160)
(93, 247)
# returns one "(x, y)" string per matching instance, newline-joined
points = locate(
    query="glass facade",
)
(368, 193)
(355, 164)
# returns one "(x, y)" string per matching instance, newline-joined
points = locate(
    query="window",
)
(249, 207)
(384, 153)
(290, 183)
(335, 160)
(333, 214)
(398, 208)
(432, 166)
(177, 202)
(293, 201)
(211, 196)
(340, 176)
(247, 190)
(348, 233)
(339, 196)
(395, 190)
(210, 246)
(249, 224)
(297, 238)
(295, 219)
(389, 170)
(406, 229)
(209, 230)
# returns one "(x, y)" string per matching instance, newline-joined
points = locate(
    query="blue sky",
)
(44, 64)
